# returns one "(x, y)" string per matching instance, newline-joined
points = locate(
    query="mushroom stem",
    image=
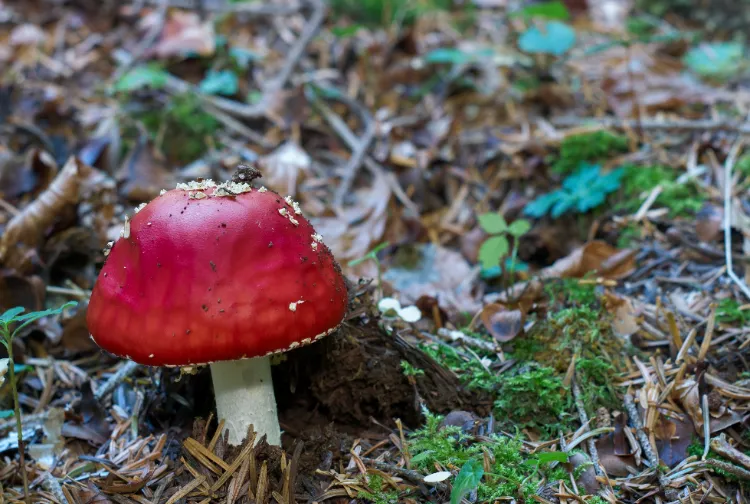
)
(244, 397)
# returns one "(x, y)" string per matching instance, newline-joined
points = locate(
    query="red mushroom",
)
(224, 275)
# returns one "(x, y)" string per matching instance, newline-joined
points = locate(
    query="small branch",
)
(728, 166)
(583, 416)
(726, 466)
(654, 124)
(635, 420)
(51, 484)
(125, 370)
(244, 8)
(410, 474)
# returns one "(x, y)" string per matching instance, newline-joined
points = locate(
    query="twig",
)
(125, 370)
(721, 446)
(359, 149)
(410, 474)
(655, 124)
(726, 466)
(244, 8)
(147, 41)
(583, 416)
(728, 165)
(351, 140)
(635, 420)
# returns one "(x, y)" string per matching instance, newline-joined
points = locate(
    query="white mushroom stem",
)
(244, 397)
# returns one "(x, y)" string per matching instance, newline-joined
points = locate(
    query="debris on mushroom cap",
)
(177, 292)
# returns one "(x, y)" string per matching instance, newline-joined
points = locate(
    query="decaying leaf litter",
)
(538, 207)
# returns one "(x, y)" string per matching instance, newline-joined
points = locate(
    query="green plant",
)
(586, 189)
(497, 245)
(718, 60)
(376, 492)
(410, 370)
(11, 323)
(681, 198)
(591, 147)
(372, 255)
(471, 372)
(511, 472)
(182, 129)
(468, 479)
(535, 398)
(728, 311)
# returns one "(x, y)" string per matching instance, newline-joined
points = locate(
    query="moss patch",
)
(588, 148)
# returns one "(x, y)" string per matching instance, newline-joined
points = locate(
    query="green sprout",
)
(15, 316)
(372, 255)
(497, 245)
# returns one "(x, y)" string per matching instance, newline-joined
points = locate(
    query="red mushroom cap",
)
(205, 273)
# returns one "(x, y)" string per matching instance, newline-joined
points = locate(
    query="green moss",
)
(588, 147)
(182, 128)
(566, 292)
(535, 398)
(682, 199)
(471, 372)
(728, 311)
(629, 235)
(377, 493)
(512, 473)
(595, 377)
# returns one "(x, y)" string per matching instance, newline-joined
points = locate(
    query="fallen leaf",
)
(441, 273)
(143, 175)
(673, 436)
(503, 324)
(185, 33)
(94, 427)
(47, 452)
(625, 322)
(26, 230)
(25, 174)
(18, 290)
(27, 34)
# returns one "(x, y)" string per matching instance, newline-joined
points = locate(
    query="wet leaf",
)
(283, 168)
(503, 324)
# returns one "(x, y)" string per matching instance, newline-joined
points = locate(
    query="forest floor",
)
(544, 211)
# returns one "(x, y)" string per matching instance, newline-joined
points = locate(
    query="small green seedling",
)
(372, 255)
(11, 324)
(583, 191)
(497, 245)
(468, 479)
(409, 370)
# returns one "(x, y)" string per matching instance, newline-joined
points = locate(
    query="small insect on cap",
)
(208, 272)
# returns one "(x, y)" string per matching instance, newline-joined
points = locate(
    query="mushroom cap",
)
(206, 273)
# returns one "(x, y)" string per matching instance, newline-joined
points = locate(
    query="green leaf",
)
(7, 413)
(454, 56)
(554, 38)
(20, 368)
(492, 223)
(222, 82)
(372, 254)
(467, 480)
(10, 315)
(140, 77)
(28, 318)
(541, 205)
(519, 228)
(492, 250)
(719, 59)
(550, 10)
(346, 31)
(546, 457)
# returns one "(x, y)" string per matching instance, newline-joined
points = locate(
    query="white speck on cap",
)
(282, 211)
(262, 189)
(140, 207)
(293, 306)
(293, 221)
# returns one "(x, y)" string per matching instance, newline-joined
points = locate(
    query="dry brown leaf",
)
(605, 260)
(503, 324)
(183, 33)
(24, 174)
(17, 290)
(25, 231)
(625, 321)
(143, 174)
